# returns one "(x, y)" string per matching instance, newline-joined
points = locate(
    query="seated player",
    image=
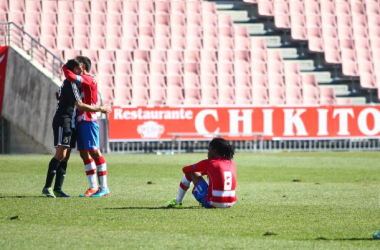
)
(221, 172)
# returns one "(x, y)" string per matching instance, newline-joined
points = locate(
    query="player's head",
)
(74, 66)
(220, 147)
(85, 61)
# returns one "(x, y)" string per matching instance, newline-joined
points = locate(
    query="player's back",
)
(89, 94)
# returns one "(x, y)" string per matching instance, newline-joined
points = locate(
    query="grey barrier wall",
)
(29, 104)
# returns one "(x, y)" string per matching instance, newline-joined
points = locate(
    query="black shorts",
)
(64, 134)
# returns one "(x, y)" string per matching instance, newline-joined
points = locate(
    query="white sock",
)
(90, 168)
(183, 187)
(101, 166)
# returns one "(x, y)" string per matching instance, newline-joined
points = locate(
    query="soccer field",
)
(285, 201)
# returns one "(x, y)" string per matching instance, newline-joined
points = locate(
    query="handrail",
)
(34, 43)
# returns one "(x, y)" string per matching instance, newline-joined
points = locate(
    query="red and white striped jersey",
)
(89, 94)
(221, 174)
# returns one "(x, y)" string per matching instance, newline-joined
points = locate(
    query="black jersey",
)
(67, 96)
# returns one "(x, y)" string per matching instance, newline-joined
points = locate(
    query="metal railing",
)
(170, 147)
(14, 36)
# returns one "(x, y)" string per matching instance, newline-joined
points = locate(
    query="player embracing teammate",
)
(221, 172)
(88, 132)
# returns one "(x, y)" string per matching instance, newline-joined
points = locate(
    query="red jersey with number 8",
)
(221, 174)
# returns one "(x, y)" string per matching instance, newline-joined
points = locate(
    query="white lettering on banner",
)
(343, 120)
(200, 121)
(322, 122)
(362, 121)
(268, 122)
(290, 120)
(139, 114)
(246, 118)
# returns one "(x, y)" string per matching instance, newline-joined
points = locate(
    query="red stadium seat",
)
(175, 56)
(191, 81)
(162, 7)
(31, 6)
(157, 81)
(140, 68)
(242, 68)
(277, 96)
(226, 96)
(174, 68)
(157, 96)
(158, 55)
(122, 81)
(209, 96)
(327, 96)
(49, 6)
(208, 56)
(226, 82)
(82, 7)
(175, 81)
(309, 81)
(123, 69)
(64, 6)
(178, 7)
(115, 7)
(129, 43)
(191, 68)
(123, 97)
(311, 96)
(131, 7)
(106, 68)
(243, 96)
(209, 68)
(16, 6)
(209, 81)
(266, 8)
(192, 96)
(260, 96)
(294, 96)
(243, 81)
(124, 56)
(140, 96)
(140, 81)
(174, 96)
(146, 7)
(158, 68)
(93, 55)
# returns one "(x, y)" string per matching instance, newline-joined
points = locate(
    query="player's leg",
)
(101, 166)
(61, 175)
(61, 140)
(89, 165)
(183, 187)
(200, 189)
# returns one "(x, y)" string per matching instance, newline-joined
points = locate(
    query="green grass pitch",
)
(286, 201)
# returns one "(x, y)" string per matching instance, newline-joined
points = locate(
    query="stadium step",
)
(272, 41)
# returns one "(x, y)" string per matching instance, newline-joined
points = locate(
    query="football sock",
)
(90, 168)
(53, 165)
(183, 187)
(101, 166)
(60, 177)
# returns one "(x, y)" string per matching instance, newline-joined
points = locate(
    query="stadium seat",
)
(259, 68)
(114, 19)
(209, 96)
(17, 18)
(146, 7)
(191, 68)
(194, 31)
(192, 96)
(106, 94)
(146, 43)
(175, 81)
(226, 96)
(309, 81)
(105, 80)
(123, 96)
(243, 55)
(158, 56)
(64, 6)
(209, 81)
(123, 68)
(130, 20)
(65, 42)
(332, 50)
(162, 7)
(124, 56)
(178, 43)
(98, 43)
(162, 31)
(194, 19)
(106, 68)
(174, 96)
(140, 68)
(131, 7)
(31, 6)
(208, 56)
(298, 27)
(266, 8)
(191, 81)
(242, 68)
(294, 96)
(82, 7)
(327, 96)
(349, 63)
(243, 81)
(225, 20)
(49, 6)
(367, 75)
(277, 96)
(140, 96)
(193, 43)
(311, 96)
(193, 7)
(16, 6)
(225, 69)
(175, 56)
(129, 43)
(157, 96)
(158, 68)
(140, 81)
(243, 96)
(122, 81)
(260, 96)
(115, 7)
(226, 56)
(157, 81)
(70, 54)
(226, 82)
(210, 43)
(178, 7)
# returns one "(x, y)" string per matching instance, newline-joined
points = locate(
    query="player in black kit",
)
(69, 100)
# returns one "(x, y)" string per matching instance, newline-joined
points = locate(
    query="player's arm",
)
(88, 108)
(200, 167)
(70, 76)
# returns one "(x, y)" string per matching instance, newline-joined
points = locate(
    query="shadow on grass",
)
(20, 196)
(149, 208)
(345, 239)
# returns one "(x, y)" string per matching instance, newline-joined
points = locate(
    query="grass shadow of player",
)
(150, 208)
(20, 197)
(345, 239)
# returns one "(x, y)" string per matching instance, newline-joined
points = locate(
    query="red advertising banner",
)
(3, 67)
(159, 123)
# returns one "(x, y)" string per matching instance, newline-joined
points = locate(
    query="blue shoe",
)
(60, 193)
(102, 193)
(376, 236)
(48, 192)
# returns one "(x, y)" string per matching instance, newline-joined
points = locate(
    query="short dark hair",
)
(72, 63)
(86, 61)
(223, 148)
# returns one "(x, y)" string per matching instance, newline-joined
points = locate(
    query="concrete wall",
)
(29, 105)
